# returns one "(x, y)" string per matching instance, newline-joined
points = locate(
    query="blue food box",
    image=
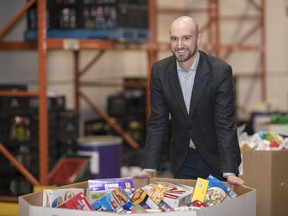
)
(217, 192)
(115, 201)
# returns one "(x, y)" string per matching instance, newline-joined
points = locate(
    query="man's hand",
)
(232, 179)
(143, 174)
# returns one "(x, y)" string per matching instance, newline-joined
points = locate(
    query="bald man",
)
(196, 92)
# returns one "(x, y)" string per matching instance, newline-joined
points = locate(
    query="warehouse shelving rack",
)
(151, 47)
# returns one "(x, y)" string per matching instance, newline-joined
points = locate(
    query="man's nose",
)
(179, 42)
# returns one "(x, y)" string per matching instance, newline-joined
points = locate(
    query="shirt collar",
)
(193, 66)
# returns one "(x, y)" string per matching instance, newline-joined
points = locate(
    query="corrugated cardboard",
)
(267, 172)
(243, 205)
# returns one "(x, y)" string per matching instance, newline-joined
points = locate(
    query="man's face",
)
(183, 41)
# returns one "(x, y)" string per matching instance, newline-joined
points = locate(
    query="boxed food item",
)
(172, 193)
(79, 202)
(54, 197)
(116, 201)
(217, 192)
(243, 205)
(200, 190)
(99, 187)
(154, 198)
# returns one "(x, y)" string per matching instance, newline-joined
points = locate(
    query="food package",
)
(99, 187)
(78, 201)
(54, 197)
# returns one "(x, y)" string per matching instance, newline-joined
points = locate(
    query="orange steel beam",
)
(16, 18)
(112, 84)
(91, 63)
(18, 165)
(217, 27)
(183, 11)
(241, 40)
(78, 94)
(92, 44)
(42, 68)
(18, 93)
(112, 123)
(16, 45)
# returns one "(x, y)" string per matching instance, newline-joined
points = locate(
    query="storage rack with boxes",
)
(151, 47)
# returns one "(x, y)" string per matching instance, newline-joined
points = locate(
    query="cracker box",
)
(175, 194)
(99, 187)
(78, 202)
(115, 201)
(54, 197)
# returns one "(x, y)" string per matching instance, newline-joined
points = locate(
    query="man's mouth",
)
(181, 50)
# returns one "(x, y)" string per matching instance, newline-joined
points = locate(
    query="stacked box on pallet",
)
(111, 19)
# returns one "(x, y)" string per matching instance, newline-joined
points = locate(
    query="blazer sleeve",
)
(226, 128)
(157, 122)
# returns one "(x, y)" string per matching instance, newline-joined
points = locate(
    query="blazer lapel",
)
(200, 81)
(176, 88)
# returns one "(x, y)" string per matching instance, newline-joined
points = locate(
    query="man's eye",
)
(186, 38)
(173, 39)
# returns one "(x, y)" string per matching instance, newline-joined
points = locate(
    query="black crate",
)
(55, 103)
(68, 125)
(18, 186)
(20, 127)
(126, 105)
(13, 87)
(117, 106)
(7, 102)
(98, 127)
(28, 157)
(6, 166)
(5, 184)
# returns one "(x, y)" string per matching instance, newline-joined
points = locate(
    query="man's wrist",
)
(226, 174)
(150, 170)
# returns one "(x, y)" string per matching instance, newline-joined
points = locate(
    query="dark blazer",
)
(211, 120)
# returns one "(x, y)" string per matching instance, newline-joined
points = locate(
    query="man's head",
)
(184, 39)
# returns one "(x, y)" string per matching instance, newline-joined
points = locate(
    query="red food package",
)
(79, 201)
(198, 203)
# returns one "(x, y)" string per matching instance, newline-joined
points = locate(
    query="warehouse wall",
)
(114, 65)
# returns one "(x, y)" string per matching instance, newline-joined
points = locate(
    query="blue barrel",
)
(106, 155)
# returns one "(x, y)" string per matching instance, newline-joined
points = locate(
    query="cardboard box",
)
(243, 205)
(267, 172)
(276, 128)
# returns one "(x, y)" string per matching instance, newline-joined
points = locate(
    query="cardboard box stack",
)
(155, 196)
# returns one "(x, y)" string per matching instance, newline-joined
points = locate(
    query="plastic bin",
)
(106, 155)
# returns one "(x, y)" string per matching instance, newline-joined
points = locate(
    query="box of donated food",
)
(267, 172)
(242, 205)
